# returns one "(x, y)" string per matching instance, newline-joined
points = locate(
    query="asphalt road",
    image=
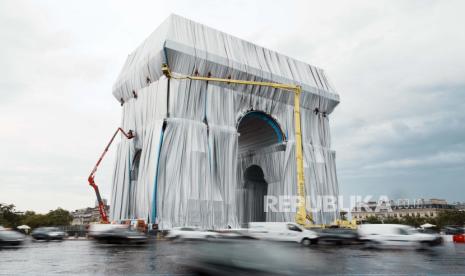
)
(167, 258)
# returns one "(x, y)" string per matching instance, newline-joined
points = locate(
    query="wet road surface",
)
(166, 258)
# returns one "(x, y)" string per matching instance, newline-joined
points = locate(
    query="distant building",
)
(401, 208)
(460, 206)
(88, 215)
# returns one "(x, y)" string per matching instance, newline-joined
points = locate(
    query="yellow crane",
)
(301, 214)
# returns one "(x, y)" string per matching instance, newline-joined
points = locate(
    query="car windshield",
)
(10, 234)
(407, 231)
(46, 229)
(294, 227)
(413, 231)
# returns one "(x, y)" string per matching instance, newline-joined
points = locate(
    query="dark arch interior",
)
(254, 173)
(256, 189)
(258, 130)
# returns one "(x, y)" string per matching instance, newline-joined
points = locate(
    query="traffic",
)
(262, 248)
(369, 235)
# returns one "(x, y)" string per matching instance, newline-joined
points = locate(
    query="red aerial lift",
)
(101, 205)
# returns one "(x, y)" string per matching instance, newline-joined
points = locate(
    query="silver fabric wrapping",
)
(184, 167)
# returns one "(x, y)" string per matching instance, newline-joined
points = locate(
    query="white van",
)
(282, 231)
(396, 235)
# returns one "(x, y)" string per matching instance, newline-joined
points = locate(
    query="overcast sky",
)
(399, 67)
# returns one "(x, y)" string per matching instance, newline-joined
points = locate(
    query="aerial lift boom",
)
(101, 205)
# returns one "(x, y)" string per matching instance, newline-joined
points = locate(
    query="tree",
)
(59, 217)
(373, 220)
(392, 220)
(8, 216)
(413, 221)
(450, 217)
(34, 220)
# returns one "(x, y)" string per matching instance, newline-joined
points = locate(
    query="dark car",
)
(338, 235)
(121, 236)
(453, 230)
(48, 234)
(8, 237)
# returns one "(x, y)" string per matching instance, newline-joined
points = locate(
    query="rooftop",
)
(189, 47)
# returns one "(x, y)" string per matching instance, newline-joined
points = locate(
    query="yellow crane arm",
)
(301, 214)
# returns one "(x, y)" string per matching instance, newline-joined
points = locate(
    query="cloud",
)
(439, 159)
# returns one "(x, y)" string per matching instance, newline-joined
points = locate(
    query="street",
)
(164, 257)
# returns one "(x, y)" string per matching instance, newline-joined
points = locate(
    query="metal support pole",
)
(301, 213)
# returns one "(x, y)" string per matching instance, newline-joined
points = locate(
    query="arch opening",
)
(133, 180)
(258, 130)
(256, 188)
(258, 133)
(135, 165)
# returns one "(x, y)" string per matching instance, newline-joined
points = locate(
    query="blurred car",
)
(240, 234)
(338, 235)
(120, 235)
(97, 229)
(376, 235)
(8, 237)
(459, 238)
(282, 231)
(48, 234)
(190, 233)
(246, 257)
(453, 230)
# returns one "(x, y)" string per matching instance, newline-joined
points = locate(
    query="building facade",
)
(88, 215)
(400, 209)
